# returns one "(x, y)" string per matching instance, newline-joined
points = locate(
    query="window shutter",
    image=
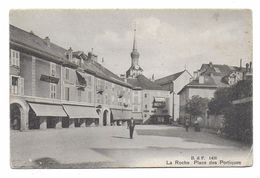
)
(21, 86)
(18, 59)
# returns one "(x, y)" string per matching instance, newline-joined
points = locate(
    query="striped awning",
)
(74, 111)
(48, 110)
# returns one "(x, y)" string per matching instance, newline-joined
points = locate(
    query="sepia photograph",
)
(130, 88)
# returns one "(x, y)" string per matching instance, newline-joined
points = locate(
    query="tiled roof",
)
(33, 41)
(169, 78)
(208, 81)
(218, 69)
(141, 82)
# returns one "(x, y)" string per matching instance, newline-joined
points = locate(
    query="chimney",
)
(69, 54)
(195, 74)
(250, 67)
(92, 56)
(240, 64)
(47, 41)
(123, 76)
(210, 64)
(201, 79)
(247, 65)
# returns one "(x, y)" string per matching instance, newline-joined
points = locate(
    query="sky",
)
(168, 40)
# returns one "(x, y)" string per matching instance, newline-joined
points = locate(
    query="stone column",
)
(59, 123)
(83, 122)
(71, 123)
(43, 123)
(24, 119)
(108, 119)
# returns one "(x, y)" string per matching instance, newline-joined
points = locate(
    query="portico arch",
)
(18, 114)
(106, 117)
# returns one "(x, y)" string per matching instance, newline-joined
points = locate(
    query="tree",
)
(221, 102)
(196, 106)
(238, 117)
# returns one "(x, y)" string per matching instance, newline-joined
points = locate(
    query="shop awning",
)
(48, 110)
(80, 111)
(81, 78)
(117, 114)
(121, 114)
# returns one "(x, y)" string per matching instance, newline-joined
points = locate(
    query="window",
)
(145, 106)
(67, 73)
(15, 58)
(14, 86)
(67, 93)
(79, 95)
(89, 81)
(53, 90)
(106, 99)
(113, 99)
(17, 85)
(145, 95)
(135, 108)
(89, 97)
(135, 99)
(113, 87)
(52, 69)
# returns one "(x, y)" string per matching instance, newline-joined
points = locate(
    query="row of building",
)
(54, 87)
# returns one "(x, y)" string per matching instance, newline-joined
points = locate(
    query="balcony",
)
(159, 102)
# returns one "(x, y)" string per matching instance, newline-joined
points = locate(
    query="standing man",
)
(131, 127)
(187, 124)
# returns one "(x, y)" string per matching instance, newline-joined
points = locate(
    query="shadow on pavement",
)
(121, 137)
(190, 136)
(50, 163)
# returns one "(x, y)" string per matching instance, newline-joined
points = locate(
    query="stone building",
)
(206, 81)
(150, 101)
(174, 83)
(51, 87)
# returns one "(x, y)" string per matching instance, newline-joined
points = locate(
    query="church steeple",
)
(135, 69)
(135, 54)
(134, 43)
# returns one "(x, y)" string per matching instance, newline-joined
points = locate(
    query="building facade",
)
(206, 81)
(51, 87)
(174, 83)
(150, 101)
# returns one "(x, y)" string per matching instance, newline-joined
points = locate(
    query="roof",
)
(214, 75)
(209, 82)
(31, 40)
(141, 82)
(170, 78)
(218, 69)
(102, 72)
(34, 42)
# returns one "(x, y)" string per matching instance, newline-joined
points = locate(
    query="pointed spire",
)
(134, 44)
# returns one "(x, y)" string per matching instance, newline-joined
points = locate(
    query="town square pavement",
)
(99, 147)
